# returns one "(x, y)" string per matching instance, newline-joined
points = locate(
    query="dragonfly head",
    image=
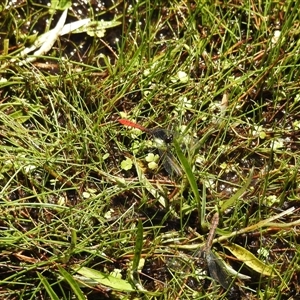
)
(163, 135)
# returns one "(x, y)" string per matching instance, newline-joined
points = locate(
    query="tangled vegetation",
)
(89, 207)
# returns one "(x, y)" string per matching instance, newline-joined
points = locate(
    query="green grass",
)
(76, 223)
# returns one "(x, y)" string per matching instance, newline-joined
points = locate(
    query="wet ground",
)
(78, 47)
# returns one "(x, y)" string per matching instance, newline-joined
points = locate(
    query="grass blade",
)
(105, 279)
(138, 247)
(49, 289)
(231, 201)
(72, 282)
(193, 183)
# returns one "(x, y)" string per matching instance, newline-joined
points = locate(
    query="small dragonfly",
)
(162, 138)
(215, 265)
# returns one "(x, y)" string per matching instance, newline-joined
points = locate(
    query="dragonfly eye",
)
(169, 138)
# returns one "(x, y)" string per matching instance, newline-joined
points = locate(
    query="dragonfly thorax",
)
(162, 134)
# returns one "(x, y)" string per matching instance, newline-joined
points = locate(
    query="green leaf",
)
(97, 28)
(188, 170)
(105, 279)
(250, 260)
(231, 201)
(151, 189)
(192, 180)
(20, 109)
(126, 164)
(72, 282)
(48, 288)
(60, 4)
(138, 246)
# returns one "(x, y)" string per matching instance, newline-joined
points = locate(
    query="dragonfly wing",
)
(170, 164)
(217, 271)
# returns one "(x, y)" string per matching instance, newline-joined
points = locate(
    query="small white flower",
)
(223, 166)
(108, 214)
(200, 159)
(277, 144)
(116, 273)
(210, 183)
(259, 131)
(263, 252)
(276, 36)
(86, 195)
(29, 168)
(123, 115)
(61, 201)
(187, 103)
(180, 76)
(183, 77)
(296, 124)
(146, 72)
(271, 200)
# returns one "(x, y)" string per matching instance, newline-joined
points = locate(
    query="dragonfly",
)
(162, 138)
(215, 265)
